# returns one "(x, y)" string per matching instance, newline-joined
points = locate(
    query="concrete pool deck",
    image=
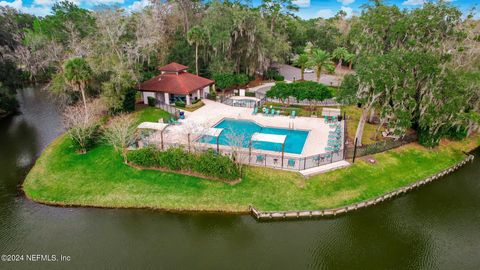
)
(212, 112)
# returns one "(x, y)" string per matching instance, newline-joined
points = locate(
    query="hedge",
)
(151, 101)
(177, 159)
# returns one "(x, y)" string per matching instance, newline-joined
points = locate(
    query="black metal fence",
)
(370, 149)
(257, 157)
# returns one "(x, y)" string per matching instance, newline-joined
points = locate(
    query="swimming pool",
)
(244, 129)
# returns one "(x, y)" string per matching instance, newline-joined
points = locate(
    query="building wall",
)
(206, 91)
(160, 97)
(145, 96)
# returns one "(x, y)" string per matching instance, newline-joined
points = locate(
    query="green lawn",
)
(99, 178)
(150, 114)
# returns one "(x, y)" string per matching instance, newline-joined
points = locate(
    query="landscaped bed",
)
(100, 178)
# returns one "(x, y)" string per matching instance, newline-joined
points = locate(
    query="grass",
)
(150, 114)
(100, 178)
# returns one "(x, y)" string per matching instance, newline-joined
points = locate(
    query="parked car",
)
(307, 70)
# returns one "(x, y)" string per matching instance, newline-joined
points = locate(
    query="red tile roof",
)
(182, 84)
(173, 67)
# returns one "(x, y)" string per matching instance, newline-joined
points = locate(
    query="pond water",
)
(434, 227)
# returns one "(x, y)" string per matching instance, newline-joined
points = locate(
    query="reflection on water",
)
(435, 227)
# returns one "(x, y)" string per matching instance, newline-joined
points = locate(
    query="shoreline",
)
(40, 188)
(285, 214)
(332, 212)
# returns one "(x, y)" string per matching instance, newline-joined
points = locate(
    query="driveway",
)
(290, 73)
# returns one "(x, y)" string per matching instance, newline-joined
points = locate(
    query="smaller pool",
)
(238, 102)
(243, 130)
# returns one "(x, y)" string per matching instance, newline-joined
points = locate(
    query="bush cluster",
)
(180, 104)
(151, 101)
(176, 159)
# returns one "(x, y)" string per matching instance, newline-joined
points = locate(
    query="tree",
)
(224, 80)
(340, 54)
(196, 36)
(77, 73)
(236, 143)
(281, 91)
(120, 133)
(275, 8)
(302, 62)
(403, 71)
(320, 59)
(313, 92)
(239, 40)
(350, 58)
(115, 90)
(347, 92)
(82, 127)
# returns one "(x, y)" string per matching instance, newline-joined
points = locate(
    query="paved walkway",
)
(292, 73)
(325, 168)
(199, 121)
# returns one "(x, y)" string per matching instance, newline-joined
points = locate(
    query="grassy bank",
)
(99, 178)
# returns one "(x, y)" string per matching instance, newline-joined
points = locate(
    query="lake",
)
(434, 227)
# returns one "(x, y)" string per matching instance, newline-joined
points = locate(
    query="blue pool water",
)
(244, 129)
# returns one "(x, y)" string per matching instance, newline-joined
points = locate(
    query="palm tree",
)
(196, 36)
(302, 62)
(340, 53)
(320, 59)
(349, 58)
(77, 73)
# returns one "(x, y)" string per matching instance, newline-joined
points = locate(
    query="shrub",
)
(250, 94)
(147, 157)
(129, 101)
(211, 164)
(175, 159)
(212, 95)
(195, 101)
(457, 133)
(180, 104)
(241, 79)
(206, 163)
(278, 78)
(271, 73)
(151, 101)
(84, 136)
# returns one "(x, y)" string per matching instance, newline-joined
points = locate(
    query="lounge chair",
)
(260, 158)
(272, 113)
(266, 111)
(291, 162)
(326, 119)
(255, 111)
(278, 112)
(292, 115)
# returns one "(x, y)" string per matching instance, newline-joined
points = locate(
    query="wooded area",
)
(414, 68)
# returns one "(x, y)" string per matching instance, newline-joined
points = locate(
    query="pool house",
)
(175, 84)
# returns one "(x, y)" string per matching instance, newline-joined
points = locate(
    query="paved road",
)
(290, 73)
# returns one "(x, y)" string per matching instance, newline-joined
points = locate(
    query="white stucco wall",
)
(206, 90)
(146, 95)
